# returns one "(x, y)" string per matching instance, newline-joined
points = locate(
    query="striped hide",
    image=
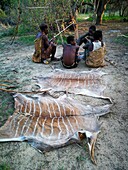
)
(48, 123)
(88, 83)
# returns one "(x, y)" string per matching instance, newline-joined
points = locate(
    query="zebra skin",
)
(47, 123)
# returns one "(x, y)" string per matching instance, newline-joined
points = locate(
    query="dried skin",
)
(88, 83)
(48, 123)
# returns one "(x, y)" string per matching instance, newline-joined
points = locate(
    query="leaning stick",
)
(62, 31)
(59, 31)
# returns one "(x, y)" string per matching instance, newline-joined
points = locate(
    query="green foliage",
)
(2, 14)
(109, 18)
(7, 32)
(105, 18)
(4, 166)
(59, 41)
(33, 13)
(28, 40)
(25, 30)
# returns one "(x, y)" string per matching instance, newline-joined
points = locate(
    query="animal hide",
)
(88, 83)
(48, 123)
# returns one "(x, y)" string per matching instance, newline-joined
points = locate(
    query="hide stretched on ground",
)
(90, 83)
(47, 123)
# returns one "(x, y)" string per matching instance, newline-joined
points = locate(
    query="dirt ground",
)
(111, 151)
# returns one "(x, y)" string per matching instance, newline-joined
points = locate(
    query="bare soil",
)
(111, 151)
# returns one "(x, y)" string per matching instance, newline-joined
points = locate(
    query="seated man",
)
(44, 48)
(87, 37)
(70, 56)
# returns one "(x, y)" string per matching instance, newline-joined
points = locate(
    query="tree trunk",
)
(100, 8)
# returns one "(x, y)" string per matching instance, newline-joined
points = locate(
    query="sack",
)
(96, 58)
(38, 50)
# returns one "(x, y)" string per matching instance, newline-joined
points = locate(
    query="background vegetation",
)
(22, 18)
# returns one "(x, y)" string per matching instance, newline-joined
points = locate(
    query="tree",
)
(119, 5)
(100, 6)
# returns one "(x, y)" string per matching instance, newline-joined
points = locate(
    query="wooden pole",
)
(63, 30)
(59, 31)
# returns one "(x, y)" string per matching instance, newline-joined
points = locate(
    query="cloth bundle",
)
(96, 58)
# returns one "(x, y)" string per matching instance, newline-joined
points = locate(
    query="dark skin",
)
(86, 38)
(74, 43)
(45, 32)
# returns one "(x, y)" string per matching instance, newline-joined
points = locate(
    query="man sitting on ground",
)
(44, 48)
(87, 37)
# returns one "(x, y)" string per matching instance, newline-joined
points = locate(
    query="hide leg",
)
(91, 144)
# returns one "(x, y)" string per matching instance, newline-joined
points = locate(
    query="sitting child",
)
(96, 51)
(70, 56)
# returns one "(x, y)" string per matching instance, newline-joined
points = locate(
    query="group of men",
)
(45, 49)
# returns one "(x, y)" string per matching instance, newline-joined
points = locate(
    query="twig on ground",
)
(28, 92)
(110, 61)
